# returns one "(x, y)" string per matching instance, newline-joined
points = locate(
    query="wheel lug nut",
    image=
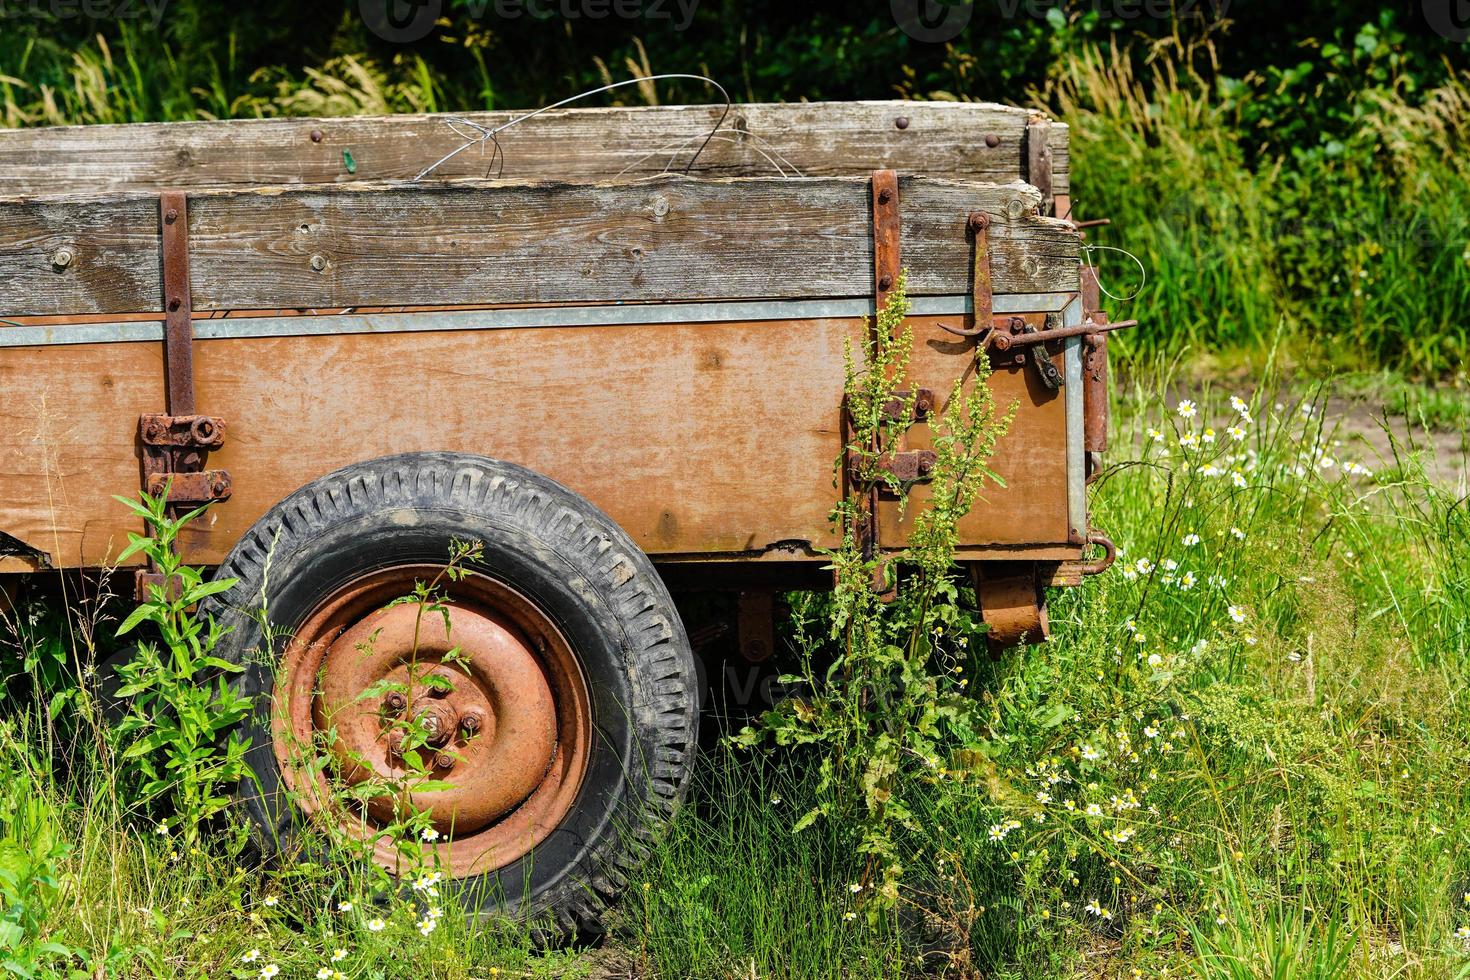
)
(471, 722)
(395, 702)
(443, 760)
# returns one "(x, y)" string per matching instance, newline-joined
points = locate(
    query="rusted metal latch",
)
(176, 445)
(174, 450)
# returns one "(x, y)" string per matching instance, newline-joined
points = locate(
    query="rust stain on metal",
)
(498, 696)
(1012, 604)
(178, 303)
(887, 255)
(189, 489)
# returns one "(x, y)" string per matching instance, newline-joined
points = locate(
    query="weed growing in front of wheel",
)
(369, 803)
(177, 743)
(887, 710)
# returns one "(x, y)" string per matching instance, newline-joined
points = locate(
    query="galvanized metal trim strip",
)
(554, 316)
(1076, 438)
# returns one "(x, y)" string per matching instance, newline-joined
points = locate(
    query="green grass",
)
(1299, 775)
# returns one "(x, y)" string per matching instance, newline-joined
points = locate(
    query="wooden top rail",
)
(942, 139)
(494, 242)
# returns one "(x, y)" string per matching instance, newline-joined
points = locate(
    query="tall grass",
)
(1361, 249)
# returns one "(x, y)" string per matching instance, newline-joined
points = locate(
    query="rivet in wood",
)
(885, 283)
(885, 195)
(660, 206)
(316, 135)
(992, 140)
(318, 263)
(902, 122)
(171, 216)
(174, 304)
(62, 258)
(1015, 207)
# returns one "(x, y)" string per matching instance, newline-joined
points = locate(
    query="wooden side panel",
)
(699, 439)
(1031, 509)
(68, 443)
(667, 239)
(811, 139)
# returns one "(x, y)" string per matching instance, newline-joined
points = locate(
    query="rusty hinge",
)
(906, 406)
(175, 445)
(174, 450)
(887, 266)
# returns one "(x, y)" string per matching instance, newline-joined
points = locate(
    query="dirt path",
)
(1362, 421)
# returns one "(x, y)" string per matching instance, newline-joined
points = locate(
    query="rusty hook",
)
(1110, 553)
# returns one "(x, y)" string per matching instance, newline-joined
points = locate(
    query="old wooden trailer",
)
(616, 360)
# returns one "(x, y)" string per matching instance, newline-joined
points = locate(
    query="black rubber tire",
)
(555, 548)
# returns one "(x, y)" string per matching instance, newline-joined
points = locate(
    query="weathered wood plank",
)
(481, 243)
(752, 409)
(814, 139)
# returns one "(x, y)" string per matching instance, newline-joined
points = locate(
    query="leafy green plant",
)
(884, 711)
(178, 740)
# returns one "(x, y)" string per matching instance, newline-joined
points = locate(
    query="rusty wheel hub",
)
(473, 711)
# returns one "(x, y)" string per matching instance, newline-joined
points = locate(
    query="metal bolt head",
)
(62, 257)
(885, 283)
(660, 206)
(901, 122)
(171, 216)
(992, 140)
(885, 195)
(978, 222)
(174, 304)
(318, 263)
(395, 701)
(316, 135)
(471, 722)
(443, 760)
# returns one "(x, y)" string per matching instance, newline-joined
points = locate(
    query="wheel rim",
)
(501, 697)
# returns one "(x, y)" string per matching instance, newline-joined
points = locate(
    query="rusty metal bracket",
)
(887, 266)
(174, 450)
(178, 303)
(176, 445)
(982, 296)
(190, 489)
(916, 406)
(887, 257)
(1046, 368)
(909, 466)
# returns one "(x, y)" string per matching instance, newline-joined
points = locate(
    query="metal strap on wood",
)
(176, 445)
